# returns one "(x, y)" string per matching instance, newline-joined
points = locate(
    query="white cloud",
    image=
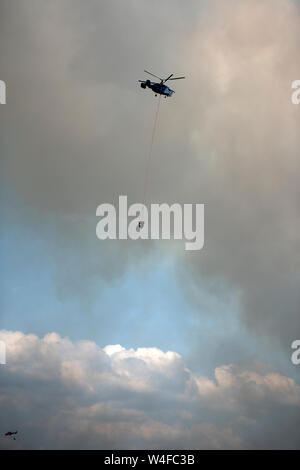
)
(61, 394)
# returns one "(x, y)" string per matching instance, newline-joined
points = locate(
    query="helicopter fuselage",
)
(158, 88)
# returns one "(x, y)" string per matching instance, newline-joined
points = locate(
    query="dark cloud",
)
(77, 127)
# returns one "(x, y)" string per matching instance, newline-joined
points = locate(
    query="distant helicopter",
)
(159, 88)
(10, 434)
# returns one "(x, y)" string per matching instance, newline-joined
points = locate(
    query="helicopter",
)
(159, 88)
(11, 434)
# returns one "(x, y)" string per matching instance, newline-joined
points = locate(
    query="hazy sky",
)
(203, 355)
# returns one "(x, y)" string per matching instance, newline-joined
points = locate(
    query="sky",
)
(141, 344)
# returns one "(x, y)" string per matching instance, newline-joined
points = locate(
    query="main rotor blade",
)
(168, 77)
(145, 81)
(153, 75)
(176, 78)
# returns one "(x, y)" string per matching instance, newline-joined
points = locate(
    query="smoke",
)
(76, 131)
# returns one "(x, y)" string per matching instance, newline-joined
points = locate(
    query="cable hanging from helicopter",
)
(162, 90)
